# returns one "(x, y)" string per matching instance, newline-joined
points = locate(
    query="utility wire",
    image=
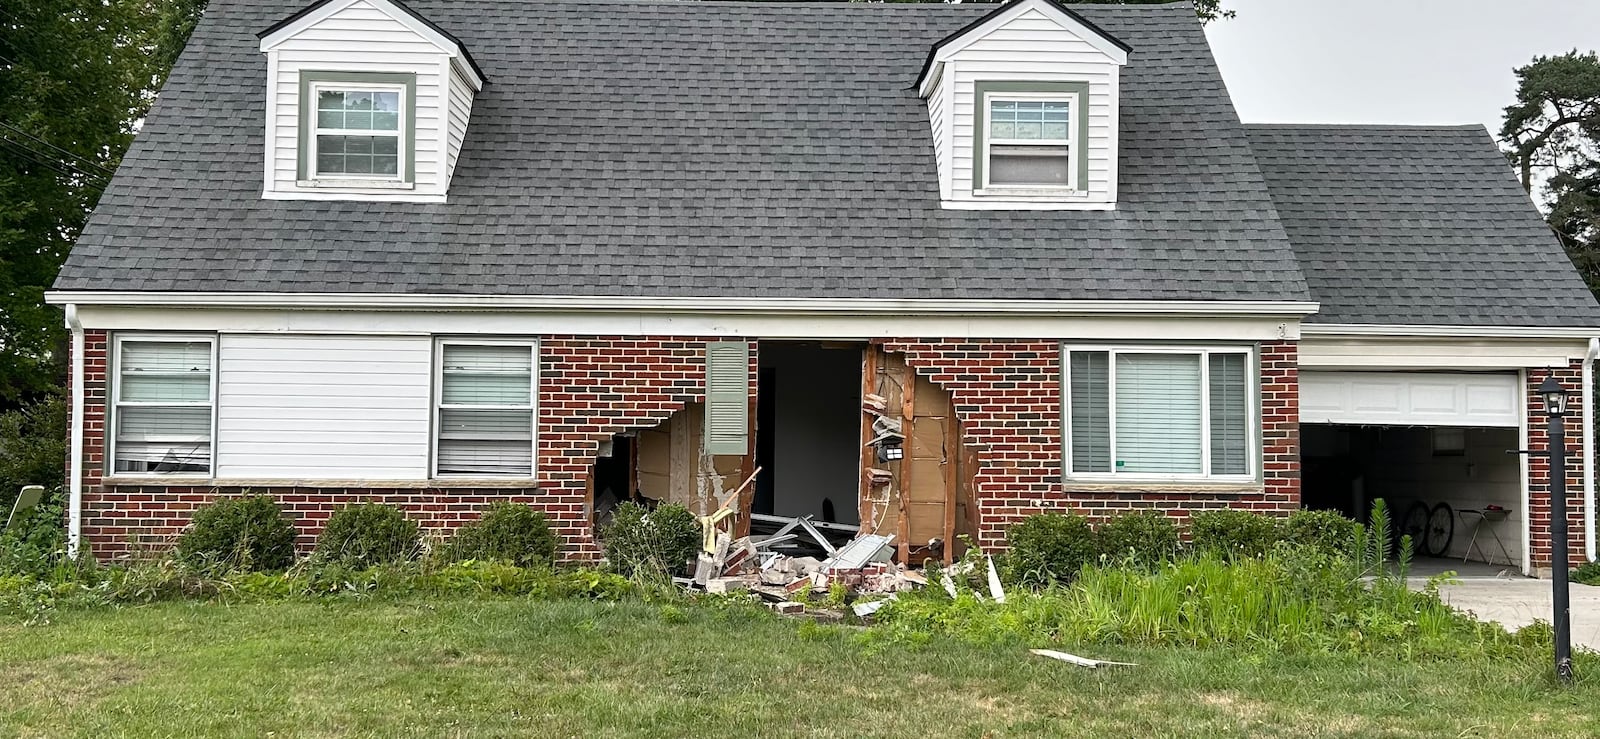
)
(84, 161)
(53, 163)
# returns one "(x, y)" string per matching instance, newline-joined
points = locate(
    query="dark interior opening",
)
(613, 476)
(808, 430)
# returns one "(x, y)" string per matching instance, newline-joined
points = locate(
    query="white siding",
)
(460, 112)
(939, 120)
(1031, 47)
(359, 38)
(323, 407)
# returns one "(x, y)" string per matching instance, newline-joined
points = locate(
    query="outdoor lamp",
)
(889, 450)
(1555, 397)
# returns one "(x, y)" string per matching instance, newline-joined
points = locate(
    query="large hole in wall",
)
(808, 418)
(663, 464)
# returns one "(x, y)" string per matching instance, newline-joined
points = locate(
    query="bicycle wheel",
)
(1441, 529)
(1415, 524)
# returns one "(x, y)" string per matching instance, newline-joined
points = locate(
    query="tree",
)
(76, 76)
(1208, 10)
(1552, 137)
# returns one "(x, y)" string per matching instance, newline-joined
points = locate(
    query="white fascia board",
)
(808, 306)
(1466, 332)
(1115, 53)
(310, 20)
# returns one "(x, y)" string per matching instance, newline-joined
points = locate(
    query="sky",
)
(1390, 61)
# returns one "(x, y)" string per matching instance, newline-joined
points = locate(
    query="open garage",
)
(1437, 446)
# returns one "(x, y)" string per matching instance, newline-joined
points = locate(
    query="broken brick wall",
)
(1007, 395)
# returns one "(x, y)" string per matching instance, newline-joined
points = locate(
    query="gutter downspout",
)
(1588, 449)
(75, 462)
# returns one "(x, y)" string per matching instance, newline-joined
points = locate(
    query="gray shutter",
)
(1091, 412)
(1230, 415)
(727, 397)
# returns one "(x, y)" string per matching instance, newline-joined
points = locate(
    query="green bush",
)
(507, 532)
(1048, 549)
(1148, 536)
(368, 534)
(641, 542)
(1326, 530)
(250, 533)
(1233, 533)
(1587, 573)
(37, 542)
(33, 448)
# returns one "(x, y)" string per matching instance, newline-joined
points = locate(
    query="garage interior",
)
(1346, 467)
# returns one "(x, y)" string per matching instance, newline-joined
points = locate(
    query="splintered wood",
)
(914, 498)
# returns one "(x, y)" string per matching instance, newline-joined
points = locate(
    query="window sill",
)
(1001, 191)
(519, 483)
(1161, 486)
(353, 184)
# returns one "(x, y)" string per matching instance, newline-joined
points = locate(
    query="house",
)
(930, 268)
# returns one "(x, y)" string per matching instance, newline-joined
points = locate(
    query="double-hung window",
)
(356, 128)
(1030, 135)
(485, 409)
(1160, 413)
(162, 398)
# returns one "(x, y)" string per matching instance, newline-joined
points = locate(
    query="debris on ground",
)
(1080, 661)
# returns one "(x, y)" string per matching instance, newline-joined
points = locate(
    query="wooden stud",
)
(869, 373)
(908, 421)
(952, 440)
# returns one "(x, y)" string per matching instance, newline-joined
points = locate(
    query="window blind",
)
(1158, 400)
(163, 414)
(1090, 415)
(1230, 415)
(486, 410)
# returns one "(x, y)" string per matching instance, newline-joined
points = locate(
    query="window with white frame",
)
(1031, 139)
(358, 131)
(162, 398)
(485, 403)
(1160, 413)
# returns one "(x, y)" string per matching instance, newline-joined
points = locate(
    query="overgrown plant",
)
(1146, 537)
(1231, 534)
(651, 544)
(506, 532)
(248, 533)
(1048, 549)
(1326, 530)
(368, 534)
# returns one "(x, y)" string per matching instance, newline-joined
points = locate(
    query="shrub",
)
(37, 543)
(651, 543)
(1234, 533)
(1587, 573)
(507, 532)
(1048, 549)
(33, 443)
(369, 534)
(250, 533)
(1327, 530)
(1147, 536)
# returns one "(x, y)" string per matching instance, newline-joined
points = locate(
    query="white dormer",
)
(1023, 106)
(366, 100)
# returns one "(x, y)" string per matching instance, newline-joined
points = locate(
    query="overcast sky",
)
(1390, 61)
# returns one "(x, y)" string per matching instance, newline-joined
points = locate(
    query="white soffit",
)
(1489, 399)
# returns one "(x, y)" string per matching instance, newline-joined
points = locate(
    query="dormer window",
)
(358, 131)
(1029, 139)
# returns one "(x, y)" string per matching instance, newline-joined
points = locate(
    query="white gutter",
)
(1480, 332)
(75, 460)
(634, 303)
(1588, 449)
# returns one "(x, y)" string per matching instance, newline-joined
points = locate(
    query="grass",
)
(497, 666)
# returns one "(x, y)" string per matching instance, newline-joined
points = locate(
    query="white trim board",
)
(1435, 352)
(1482, 332)
(1116, 54)
(708, 324)
(688, 304)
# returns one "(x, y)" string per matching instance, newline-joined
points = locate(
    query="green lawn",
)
(486, 667)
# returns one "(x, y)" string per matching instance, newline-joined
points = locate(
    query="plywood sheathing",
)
(672, 468)
(924, 501)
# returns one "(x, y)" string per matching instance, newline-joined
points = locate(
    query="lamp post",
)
(1555, 410)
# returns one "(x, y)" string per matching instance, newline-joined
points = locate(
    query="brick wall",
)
(1539, 517)
(590, 388)
(1007, 394)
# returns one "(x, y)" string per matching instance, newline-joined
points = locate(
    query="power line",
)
(91, 164)
(53, 163)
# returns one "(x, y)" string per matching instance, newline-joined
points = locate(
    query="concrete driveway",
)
(1517, 602)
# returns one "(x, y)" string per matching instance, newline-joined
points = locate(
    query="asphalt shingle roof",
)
(694, 149)
(1417, 225)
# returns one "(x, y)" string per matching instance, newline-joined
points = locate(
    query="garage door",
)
(1410, 398)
